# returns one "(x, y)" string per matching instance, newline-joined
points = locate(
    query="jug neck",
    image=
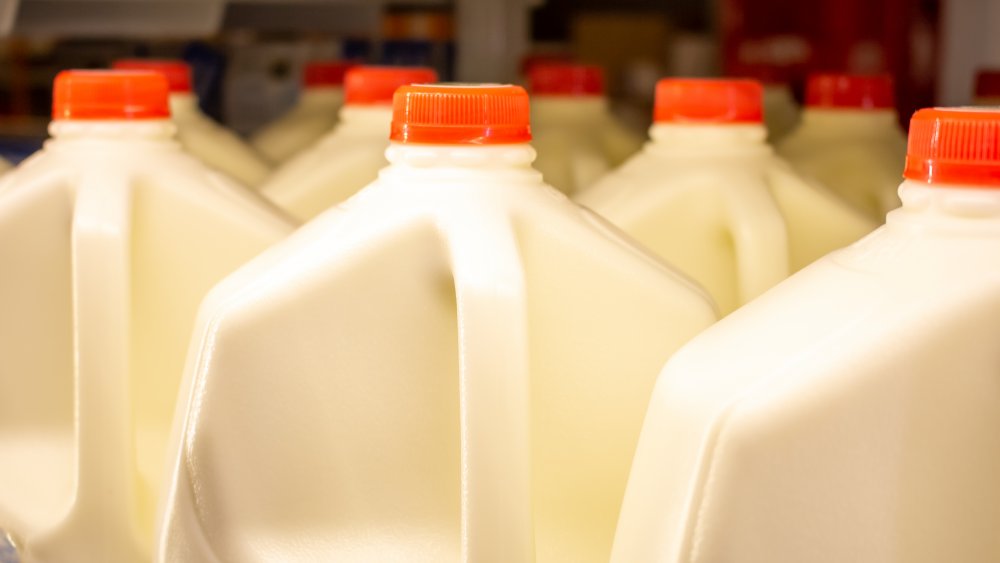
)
(479, 164)
(952, 208)
(182, 104)
(112, 130)
(322, 97)
(848, 122)
(568, 108)
(374, 118)
(673, 139)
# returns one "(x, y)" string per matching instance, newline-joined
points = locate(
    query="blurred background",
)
(248, 55)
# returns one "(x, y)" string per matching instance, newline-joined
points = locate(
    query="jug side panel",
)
(818, 221)
(222, 150)
(36, 355)
(880, 453)
(604, 318)
(325, 421)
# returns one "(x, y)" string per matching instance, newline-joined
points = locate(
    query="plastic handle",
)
(494, 388)
(759, 237)
(105, 497)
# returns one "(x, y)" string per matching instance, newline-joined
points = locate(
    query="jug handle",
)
(494, 389)
(760, 239)
(106, 482)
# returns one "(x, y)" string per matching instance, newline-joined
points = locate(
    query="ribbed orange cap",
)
(954, 146)
(850, 91)
(110, 94)
(460, 114)
(707, 101)
(566, 79)
(375, 85)
(325, 73)
(177, 72)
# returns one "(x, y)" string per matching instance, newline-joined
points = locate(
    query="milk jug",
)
(707, 194)
(577, 138)
(987, 88)
(312, 116)
(849, 139)
(109, 238)
(208, 141)
(850, 413)
(349, 157)
(453, 365)
(5, 165)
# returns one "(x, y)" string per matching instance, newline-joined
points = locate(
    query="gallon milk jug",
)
(850, 141)
(987, 91)
(208, 141)
(452, 366)
(109, 238)
(312, 116)
(349, 157)
(709, 196)
(576, 137)
(850, 413)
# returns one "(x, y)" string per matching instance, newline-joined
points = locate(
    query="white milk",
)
(708, 194)
(851, 413)
(849, 140)
(313, 115)
(210, 142)
(453, 365)
(109, 238)
(577, 138)
(349, 157)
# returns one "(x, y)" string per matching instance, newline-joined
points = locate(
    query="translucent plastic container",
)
(109, 238)
(451, 366)
(708, 194)
(349, 157)
(850, 140)
(577, 138)
(850, 413)
(312, 117)
(210, 142)
(781, 111)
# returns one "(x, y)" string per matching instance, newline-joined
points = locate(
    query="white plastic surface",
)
(781, 111)
(109, 238)
(578, 140)
(313, 116)
(334, 168)
(5, 165)
(857, 154)
(718, 204)
(215, 145)
(849, 414)
(451, 366)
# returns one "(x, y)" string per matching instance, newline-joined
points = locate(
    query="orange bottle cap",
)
(460, 114)
(177, 72)
(566, 79)
(110, 94)
(707, 101)
(850, 91)
(954, 146)
(325, 73)
(375, 85)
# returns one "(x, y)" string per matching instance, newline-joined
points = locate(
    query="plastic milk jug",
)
(349, 157)
(453, 365)
(208, 141)
(577, 138)
(708, 194)
(110, 236)
(312, 116)
(987, 86)
(849, 140)
(850, 413)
